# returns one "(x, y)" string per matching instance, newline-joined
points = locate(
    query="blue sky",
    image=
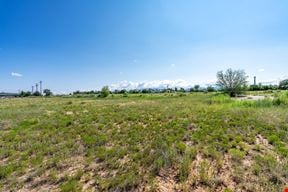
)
(83, 45)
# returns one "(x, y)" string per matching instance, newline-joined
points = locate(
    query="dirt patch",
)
(4, 161)
(166, 180)
(50, 112)
(266, 148)
(210, 175)
(33, 181)
(5, 125)
(127, 104)
(260, 140)
(225, 174)
(250, 98)
(70, 113)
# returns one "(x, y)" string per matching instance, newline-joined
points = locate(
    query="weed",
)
(70, 186)
(236, 154)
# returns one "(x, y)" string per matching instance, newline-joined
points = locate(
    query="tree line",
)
(232, 82)
(46, 93)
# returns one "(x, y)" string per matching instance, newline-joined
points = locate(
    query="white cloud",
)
(156, 84)
(172, 65)
(16, 74)
(261, 70)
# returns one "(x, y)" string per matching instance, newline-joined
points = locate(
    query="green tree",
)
(104, 92)
(210, 89)
(37, 93)
(284, 84)
(233, 82)
(47, 92)
(25, 94)
(196, 88)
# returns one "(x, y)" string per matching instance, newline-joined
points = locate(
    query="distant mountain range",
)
(157, 84)
(180, 83)
(3, 94)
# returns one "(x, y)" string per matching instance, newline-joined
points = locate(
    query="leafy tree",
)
(210, 89)
(76, 92)
(146, 91)
(123, 91)
(104, 92)
(284, 84)
(233, 82)
(25, 94)
(37, 93)
(47, 92)
(182, 90)
(191, 90)
(134, 91)
(196, 88)
(261, 87)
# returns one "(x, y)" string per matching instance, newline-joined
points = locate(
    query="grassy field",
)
(161, 142)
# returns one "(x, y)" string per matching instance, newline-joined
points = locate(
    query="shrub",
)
(272, 139)
(283, 98)
(6, 170)
(181, 147)
(236, 154)
(70, 186)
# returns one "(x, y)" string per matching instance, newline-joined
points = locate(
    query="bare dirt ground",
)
(250, 97)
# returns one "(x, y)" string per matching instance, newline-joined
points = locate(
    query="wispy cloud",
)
(261, 70)
(172, 65)
(14, 74)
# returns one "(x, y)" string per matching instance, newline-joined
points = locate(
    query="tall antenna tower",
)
(40, 86)
(36, 87)
(32, 89)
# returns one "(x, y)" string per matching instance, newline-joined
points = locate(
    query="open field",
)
(162, 142)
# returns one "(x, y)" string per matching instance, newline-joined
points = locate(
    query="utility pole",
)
(40, 87)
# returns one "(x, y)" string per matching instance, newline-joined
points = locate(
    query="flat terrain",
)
(162, 142)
